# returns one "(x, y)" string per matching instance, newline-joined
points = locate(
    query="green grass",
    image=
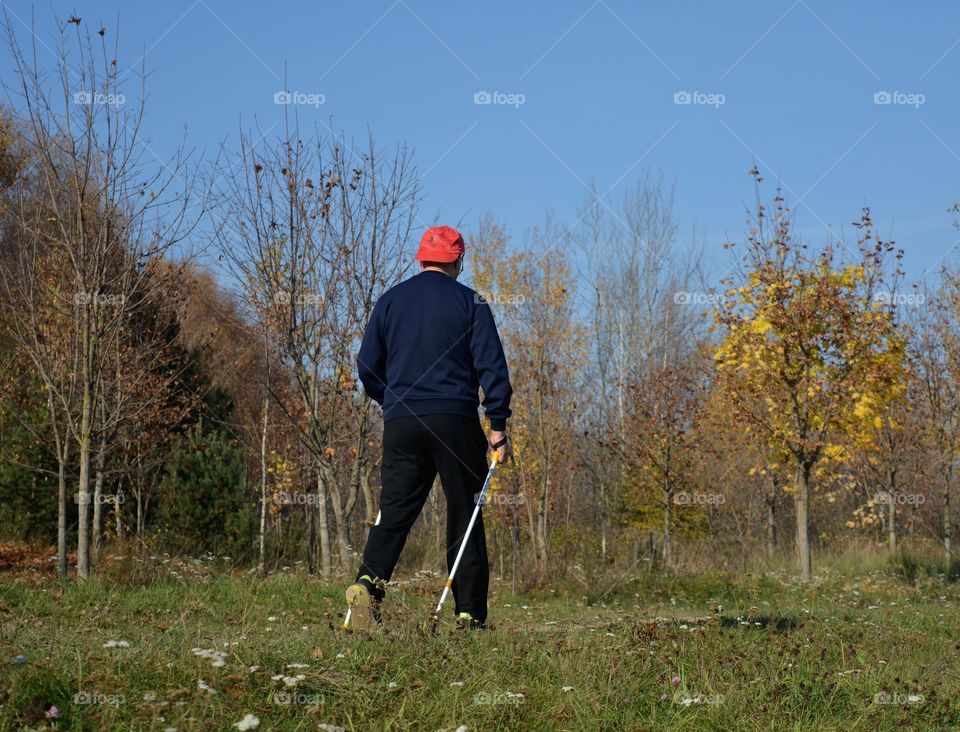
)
(757, 652)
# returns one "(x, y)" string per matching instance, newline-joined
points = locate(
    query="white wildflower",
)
(203, 685)
(249, 721)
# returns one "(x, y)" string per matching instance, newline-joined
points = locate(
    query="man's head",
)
(441, 249)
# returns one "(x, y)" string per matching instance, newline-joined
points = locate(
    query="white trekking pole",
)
(463, 543)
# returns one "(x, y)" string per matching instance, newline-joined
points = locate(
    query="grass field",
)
(156, 644)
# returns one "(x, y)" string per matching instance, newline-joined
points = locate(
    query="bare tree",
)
(937, 358)
(312, 233)
(98, 212)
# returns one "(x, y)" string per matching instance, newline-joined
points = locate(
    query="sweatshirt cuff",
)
(498, 425)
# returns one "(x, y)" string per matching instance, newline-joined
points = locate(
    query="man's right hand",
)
(505, 450)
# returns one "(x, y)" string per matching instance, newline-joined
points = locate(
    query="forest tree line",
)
(178, 341)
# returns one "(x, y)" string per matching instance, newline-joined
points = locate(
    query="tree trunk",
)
(62, 514)
(98, 497)
(947, 521)
(542, 525)
(771, 501)
(667, 519)
(803, 523)
(311, 513)
(83, 521)
(262, 544)
(369, 502)
(892, 511)
(323, 528)
(62, 444)
(338, 509)
(604, 487)
(117, 513)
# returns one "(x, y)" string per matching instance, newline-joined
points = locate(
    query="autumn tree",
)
(937, 360)
(810, 357)
(532, 294)
(312, 231)
(634, 273)
(660, 450)
(95, 211)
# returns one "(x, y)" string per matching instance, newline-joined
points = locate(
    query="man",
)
(431, 343)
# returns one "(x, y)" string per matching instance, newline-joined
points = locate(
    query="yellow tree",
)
(810, 356)
(531, 291)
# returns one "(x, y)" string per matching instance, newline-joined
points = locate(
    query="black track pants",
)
(415, 449)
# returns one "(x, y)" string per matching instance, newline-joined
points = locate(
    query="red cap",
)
(440, 244)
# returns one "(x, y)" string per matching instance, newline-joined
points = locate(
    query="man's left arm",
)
(491, 364)
(372, 359)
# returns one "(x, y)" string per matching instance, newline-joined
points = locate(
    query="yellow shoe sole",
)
(361, 609)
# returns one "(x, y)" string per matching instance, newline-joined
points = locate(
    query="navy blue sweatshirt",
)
(430, 345)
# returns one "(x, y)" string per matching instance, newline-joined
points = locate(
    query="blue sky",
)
(598, 79)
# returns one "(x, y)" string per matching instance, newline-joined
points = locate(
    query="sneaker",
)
(364, 609)
(465, 621)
